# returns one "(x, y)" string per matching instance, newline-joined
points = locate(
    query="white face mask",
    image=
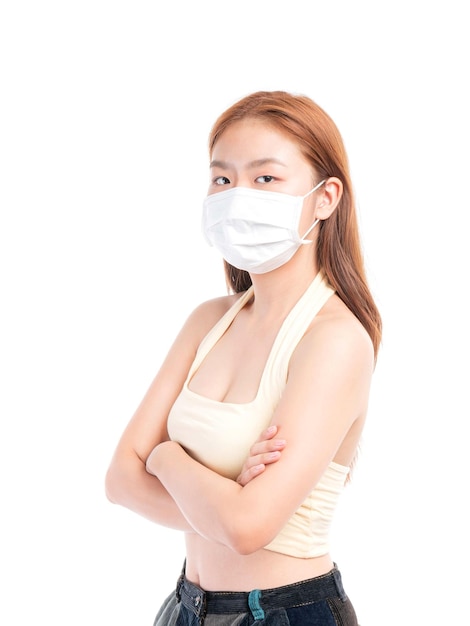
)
(256, 231)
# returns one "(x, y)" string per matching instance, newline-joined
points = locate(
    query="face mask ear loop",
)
(309, 231)
(317, 220)
(315, 188)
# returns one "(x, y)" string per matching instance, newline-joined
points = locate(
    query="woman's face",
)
(252, 153)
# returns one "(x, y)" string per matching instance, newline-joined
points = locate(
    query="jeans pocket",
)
(343, 612)
(168, 612)
(186, 618)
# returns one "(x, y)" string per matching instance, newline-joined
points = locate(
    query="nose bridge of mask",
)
(309, 230)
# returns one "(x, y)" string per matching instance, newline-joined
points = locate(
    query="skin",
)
(319, 418)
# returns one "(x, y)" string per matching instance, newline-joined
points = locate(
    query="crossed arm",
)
(212, 492)
(128, 482)
(323, 402)
(325, 397)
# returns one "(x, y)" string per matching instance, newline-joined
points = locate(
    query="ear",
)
(328, 198)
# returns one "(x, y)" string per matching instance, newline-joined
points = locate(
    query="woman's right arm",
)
(127, 481)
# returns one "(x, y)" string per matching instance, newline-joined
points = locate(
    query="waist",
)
(202, 602)
(215, 567)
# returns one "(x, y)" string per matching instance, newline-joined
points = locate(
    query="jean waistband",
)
(202, 602)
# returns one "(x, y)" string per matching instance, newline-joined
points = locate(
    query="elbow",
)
(111, 486)
(249, 536)
(244, 547)
(248, 543)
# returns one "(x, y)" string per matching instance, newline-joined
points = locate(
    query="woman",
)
(245, 438)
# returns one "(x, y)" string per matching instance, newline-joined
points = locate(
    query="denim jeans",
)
(319, 601)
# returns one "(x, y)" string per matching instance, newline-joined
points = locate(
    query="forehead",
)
(253, 138)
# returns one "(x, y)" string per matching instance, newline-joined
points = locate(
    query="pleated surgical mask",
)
(256, 231)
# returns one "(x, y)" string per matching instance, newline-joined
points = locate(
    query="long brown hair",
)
(339, 250)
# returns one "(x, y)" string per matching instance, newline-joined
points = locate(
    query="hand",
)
(156, 456)
(264, 451)
(148, 464)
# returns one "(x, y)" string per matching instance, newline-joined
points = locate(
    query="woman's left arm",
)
(326, 392)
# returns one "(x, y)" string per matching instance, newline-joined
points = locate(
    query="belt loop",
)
(203, 610)
(255, 607)
(339, 584)
(180, 582)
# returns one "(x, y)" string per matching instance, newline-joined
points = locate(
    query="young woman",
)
(245, 438)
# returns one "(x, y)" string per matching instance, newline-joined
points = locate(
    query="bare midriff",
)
(215, 567)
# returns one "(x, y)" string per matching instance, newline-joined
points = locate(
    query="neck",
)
(276, 292)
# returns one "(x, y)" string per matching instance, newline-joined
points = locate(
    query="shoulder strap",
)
(291, 332)
(218, 330)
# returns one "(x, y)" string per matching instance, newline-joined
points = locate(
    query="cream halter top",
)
(220, 434)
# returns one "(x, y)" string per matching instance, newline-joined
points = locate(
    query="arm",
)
(128, 484)
(127, 481)
(147, 496)
(326, 394)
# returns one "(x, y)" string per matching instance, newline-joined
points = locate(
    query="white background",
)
(105, 112)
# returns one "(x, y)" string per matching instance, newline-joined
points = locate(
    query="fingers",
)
(247, 475)
(265, 451)
(255, 465)
(268, 433)
(264, 446)
(261, 459)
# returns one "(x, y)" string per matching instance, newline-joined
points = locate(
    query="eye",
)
(221, 180)
(264, 179)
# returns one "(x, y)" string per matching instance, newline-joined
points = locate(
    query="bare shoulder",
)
(336, 336)
(207, 314)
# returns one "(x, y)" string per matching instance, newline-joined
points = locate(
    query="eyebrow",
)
(251, 165)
